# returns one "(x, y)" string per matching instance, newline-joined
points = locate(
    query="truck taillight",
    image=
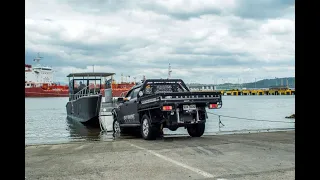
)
(213, 106)
(167, 108)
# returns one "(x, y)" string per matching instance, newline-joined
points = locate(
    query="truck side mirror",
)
(120, 100)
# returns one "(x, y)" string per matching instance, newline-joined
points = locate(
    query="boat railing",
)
(85, 91)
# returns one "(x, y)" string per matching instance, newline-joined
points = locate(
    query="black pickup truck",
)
(164, 103)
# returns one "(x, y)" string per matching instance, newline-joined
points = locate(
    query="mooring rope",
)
(101, 126)
(250, 119)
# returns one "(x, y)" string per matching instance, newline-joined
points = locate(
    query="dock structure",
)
(105, 113)
(199, 87)
(253, 92)
(279, 90)
(265, 155)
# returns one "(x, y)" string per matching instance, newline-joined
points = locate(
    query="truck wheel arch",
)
(142, 113)
(114, 113)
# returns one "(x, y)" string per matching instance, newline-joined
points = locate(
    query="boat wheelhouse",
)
(85, 95)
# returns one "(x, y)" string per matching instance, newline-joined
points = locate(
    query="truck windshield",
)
(135, 93)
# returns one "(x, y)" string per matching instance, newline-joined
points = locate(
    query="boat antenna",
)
(92, 68)
(143, 78)
(121, 77)
(169, 71)
(38, 58)
(134, 80)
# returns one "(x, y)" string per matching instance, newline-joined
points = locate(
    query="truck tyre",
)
(148, 131)
(196, 130)
(116, 126)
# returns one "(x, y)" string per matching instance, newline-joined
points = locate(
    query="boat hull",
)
(85, 109)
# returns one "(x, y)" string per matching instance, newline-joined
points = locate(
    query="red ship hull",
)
(39, 92)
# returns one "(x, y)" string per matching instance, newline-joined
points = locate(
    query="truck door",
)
(132, 108)
(123, 113)
(129, 108)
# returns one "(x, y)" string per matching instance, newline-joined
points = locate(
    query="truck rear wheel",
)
(196, 130)
(148, 131)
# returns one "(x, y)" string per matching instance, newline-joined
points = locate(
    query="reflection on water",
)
(78, 131)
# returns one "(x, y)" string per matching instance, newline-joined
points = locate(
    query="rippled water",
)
(46, 122)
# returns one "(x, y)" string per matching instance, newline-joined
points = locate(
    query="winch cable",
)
(250, 119)
(101, 126)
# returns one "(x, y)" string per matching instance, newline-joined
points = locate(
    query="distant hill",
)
(265, 83)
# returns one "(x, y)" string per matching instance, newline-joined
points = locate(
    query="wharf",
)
(281, 90)
(269, 155)
(252, 92)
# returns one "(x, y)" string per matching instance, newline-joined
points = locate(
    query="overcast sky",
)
(204, 40)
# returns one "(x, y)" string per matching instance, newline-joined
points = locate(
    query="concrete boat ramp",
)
(269, 155)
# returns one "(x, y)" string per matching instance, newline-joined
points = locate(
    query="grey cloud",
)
(178, 14)
(109, 6)
(151, 52)
(262, 9)
(99, 6)
(241, 27)
(252, 9)
(180, 55)
(230, 60)
(214, 51)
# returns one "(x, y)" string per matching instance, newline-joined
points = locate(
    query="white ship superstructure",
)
(38, 75)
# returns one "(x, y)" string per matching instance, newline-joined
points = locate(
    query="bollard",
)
(108, 95)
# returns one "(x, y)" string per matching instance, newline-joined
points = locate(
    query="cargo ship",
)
(39, 83)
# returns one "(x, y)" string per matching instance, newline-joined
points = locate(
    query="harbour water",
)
(46, 122)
